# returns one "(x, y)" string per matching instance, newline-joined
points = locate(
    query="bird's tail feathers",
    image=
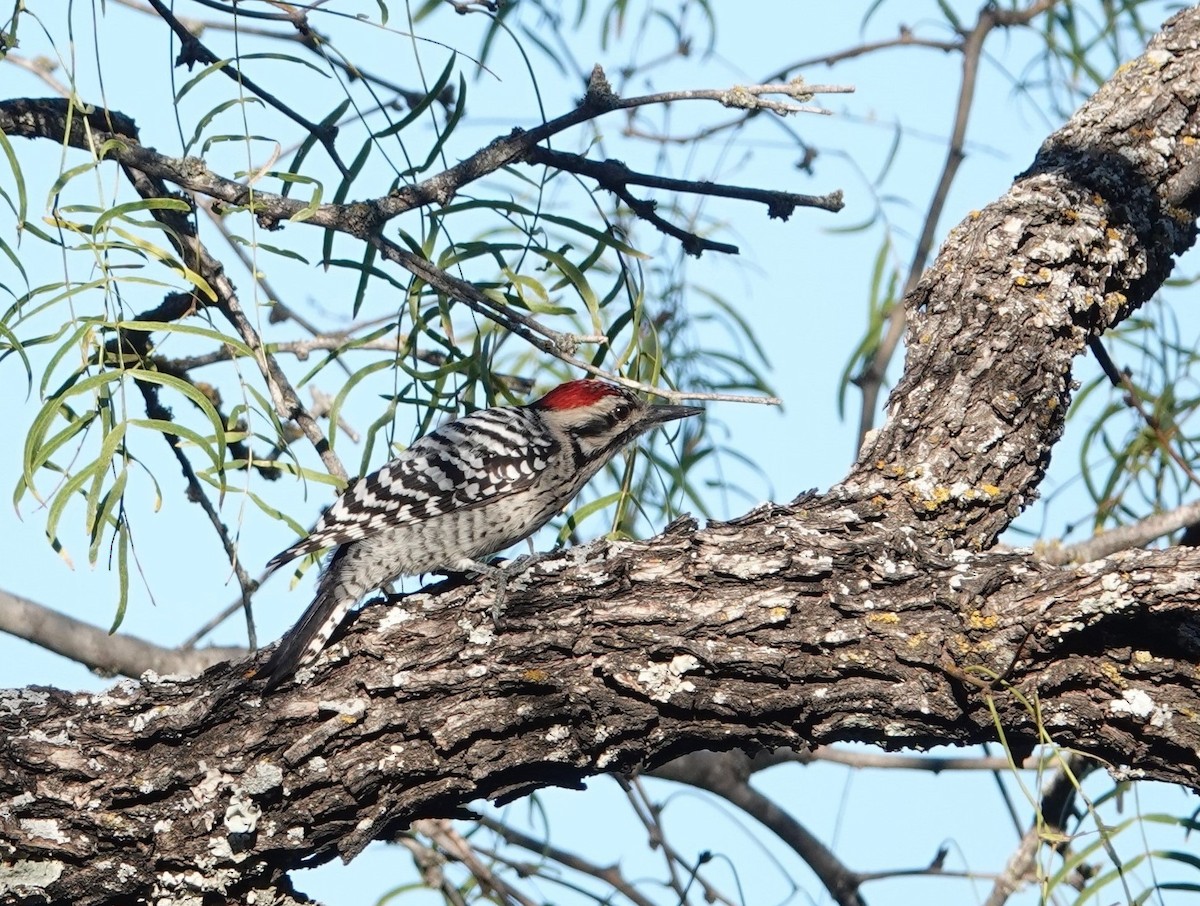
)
(309, 636)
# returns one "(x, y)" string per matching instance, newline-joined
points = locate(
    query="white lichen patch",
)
(557, 733)
(656, 571)
(809, 563)
(480, 634)
(1051, 251)
(242, 814)
(747, 566)
(351, 708)
(1138, 703)
(1180, 583)
(212, 781)
(394, 616)
(28, 875)
(45, 828)
(662, 681)
(261, 778)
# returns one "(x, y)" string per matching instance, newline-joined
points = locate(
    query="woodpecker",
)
(461, 493)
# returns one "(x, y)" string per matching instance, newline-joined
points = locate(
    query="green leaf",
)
(122, 576)
(22, 207)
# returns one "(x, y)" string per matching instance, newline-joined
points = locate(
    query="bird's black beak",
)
(658, 413)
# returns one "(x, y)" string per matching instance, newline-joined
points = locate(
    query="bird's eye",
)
(621, 412)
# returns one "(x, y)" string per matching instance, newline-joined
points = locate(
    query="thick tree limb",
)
(742, 635)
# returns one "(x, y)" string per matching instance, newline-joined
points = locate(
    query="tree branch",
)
(105, 653)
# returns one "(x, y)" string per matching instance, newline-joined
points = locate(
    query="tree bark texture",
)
(879, 611)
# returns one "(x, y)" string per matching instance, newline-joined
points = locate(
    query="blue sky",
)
(802, 284)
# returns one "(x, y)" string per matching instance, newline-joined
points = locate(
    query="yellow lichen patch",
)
(1113, 233)
(1021, 280)
(1188, 139)
(1070, 216)
(1142, 657)
(1113, 675)
(886, 617)
(990, 489)
(918, 640)
(534, 675)
(936, 498)
(978, 620)
(777, 614)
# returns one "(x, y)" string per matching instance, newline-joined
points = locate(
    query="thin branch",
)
(611, 875)
(726, 774)
(614, 176)
(935, 764)
(46, 118)
(175, 307)
(1123, 537)
(560, 345)
(279, 311)
(104, 653)
(431, 865)
(905, 38)
(193, 50)
(452, 844)
(648, 813)
(40, 67)
(1121, 379)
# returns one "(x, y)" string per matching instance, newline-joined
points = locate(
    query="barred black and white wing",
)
(478, 459)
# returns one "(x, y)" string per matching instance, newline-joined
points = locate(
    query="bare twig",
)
(40, 67)
(452, 844)
(648, 813)
(193, 50)
(306, 36)
(610, 875)
(614, 176)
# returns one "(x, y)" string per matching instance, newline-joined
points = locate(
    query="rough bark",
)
(877, 612)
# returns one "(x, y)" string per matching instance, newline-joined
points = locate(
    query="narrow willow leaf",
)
(430, 97)
(22, 206)
(191, 392)
(122, 211)
(122, 576)
(104, 515)
(195, 330)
